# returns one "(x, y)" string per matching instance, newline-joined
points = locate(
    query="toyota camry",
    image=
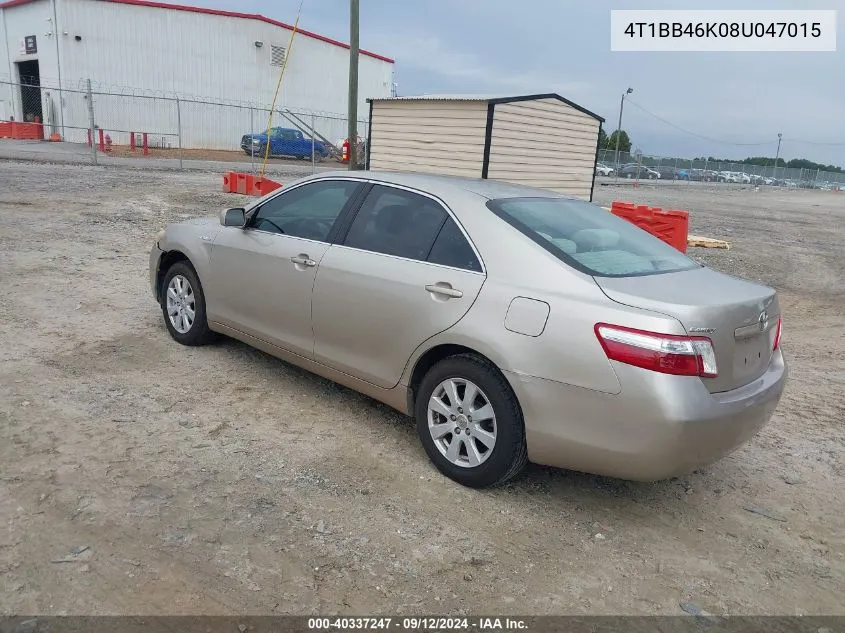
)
(512, 323)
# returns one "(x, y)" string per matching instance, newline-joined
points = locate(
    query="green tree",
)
(765, 161)
(624, 141)
(602, 138)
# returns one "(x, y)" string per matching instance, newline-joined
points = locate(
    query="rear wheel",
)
(470, 422)
(183, 306)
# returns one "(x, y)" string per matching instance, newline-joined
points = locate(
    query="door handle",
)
(303, 260)
(445, 290)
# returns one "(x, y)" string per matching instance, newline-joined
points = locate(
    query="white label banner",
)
(723, 31)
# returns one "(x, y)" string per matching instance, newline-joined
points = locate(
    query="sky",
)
(739, 101)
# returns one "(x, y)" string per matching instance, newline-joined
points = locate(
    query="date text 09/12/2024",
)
(418, 624)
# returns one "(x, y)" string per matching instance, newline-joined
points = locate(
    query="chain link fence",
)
(126, 122)
(100, 119)
(685, 170)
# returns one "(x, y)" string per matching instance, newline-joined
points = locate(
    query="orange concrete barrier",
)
(263, 186)
(247, 184)
(23, 131)
(670, 225)
(243, 183)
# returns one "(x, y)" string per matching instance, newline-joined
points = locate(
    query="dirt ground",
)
(138, 476)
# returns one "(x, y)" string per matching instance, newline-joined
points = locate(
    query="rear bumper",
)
(659, 426)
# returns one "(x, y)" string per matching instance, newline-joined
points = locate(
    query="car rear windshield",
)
(590, 239)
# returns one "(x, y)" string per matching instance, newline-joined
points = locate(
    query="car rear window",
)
(590, 239)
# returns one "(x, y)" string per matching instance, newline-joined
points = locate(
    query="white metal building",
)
(145, 48)
(540, 140)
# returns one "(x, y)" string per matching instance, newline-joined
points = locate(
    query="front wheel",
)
(183, 305)
(470, 423)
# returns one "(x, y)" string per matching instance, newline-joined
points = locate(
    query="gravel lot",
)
(220, 480)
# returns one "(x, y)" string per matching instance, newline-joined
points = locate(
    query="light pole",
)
(777, 156)
(619, 127)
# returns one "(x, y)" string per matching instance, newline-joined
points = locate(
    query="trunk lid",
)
(739, 316)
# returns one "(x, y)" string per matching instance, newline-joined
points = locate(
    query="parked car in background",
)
(613, 353)
(727, 176)
(744, 178)
(673, 173)
(703, 175)
(632, 170)
(604, 170)
(284, 142)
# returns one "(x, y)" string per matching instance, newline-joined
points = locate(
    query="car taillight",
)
(777, 336)
(664, 353)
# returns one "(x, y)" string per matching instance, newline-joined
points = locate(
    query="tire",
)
(508, 455)
(197, 333)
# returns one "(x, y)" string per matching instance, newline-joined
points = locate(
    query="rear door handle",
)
(303, 260)
(445, 290)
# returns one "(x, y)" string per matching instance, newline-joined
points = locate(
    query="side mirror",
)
(233, 217)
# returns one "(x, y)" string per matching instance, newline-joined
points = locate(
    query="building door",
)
(30, 79)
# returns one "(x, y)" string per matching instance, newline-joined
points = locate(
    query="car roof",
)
(438, 184)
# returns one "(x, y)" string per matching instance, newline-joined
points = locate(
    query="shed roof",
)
(491, 98)
(229, 14)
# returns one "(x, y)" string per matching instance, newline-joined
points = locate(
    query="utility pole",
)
(777, 156)
(353, 84)
(59, 70)
(619, 128)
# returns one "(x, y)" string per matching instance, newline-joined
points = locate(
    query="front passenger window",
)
(308, 211)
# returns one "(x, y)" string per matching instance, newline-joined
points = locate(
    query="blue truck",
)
(283, 142)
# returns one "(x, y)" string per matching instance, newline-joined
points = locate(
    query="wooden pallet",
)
(706, 242)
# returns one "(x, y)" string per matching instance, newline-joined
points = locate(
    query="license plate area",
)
(751, 356)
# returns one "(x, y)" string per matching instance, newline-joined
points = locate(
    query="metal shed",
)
(540, 140)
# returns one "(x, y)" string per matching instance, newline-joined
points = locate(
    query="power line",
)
(715, 140)
(691, 133)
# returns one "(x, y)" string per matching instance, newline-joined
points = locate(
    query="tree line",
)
(765, 161)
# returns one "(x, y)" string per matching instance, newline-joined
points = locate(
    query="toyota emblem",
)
(763, 321)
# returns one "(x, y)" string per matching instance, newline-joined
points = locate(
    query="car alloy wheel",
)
(181, 304)
(462, 422)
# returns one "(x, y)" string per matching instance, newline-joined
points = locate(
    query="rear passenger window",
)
(452, 249)
(396, 222)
